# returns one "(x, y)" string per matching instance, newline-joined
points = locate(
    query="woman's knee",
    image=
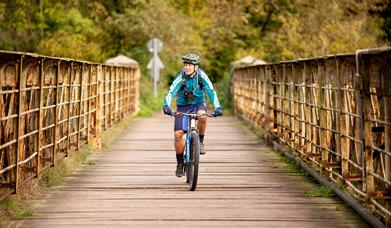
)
(203, 117)
(178, 135)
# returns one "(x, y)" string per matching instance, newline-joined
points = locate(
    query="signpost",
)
(155, 64)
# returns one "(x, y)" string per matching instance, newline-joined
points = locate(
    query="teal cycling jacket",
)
(193, 85)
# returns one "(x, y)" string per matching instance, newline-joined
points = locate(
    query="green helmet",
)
(192, 59)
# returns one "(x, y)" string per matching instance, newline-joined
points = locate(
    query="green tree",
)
(220, 31)
(19, 27)
(69, 34)
(382, 9)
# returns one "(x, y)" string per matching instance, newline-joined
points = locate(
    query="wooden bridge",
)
(242, 183)
(331, 114)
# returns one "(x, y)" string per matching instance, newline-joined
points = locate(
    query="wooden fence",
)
(50, 107)
(333, 111)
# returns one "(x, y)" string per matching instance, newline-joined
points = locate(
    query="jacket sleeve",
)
(174, 88)
(209, 90)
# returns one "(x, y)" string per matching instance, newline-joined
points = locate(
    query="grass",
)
(16, 208)
(90, 162)
(55, 175)
(19, 206)
(116, 130)
(293, 165)
(323, 191)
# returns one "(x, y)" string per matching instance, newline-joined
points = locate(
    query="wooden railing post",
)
(18, 133)
(89, 102)
(291, 107)
(40, 105)
(295, 95)
(302, 110)
(283, 77)
(387, 139)
(56, 114)
(308, 113)
(129, 91)
(136, 89)
(368, 142)
(70, 104)
(116, 100)
(338, 115)
(267, 101)
(96, 140)
(80, 105)
(102, 79)
(322, 102)
(111, 100)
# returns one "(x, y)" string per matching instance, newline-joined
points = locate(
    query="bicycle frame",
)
(192, 126)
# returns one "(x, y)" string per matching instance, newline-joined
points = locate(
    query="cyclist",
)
(190, 84)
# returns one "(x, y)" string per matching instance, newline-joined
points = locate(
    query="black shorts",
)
(182, 122)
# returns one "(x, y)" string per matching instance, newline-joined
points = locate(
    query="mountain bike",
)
(191, 155)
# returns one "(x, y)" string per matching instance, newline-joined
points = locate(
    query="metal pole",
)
(154, 68)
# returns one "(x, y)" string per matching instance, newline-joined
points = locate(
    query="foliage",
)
(311, 28)
(223, 90)
(382, 9)
(69, 34)
(149, 103)
(220, 31)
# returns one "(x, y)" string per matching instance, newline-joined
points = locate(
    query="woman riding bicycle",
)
(190, 84)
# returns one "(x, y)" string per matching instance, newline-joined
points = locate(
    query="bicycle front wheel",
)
(192, 168)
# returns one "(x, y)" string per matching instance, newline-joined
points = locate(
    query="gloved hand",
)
(167, 110)
(218, 112)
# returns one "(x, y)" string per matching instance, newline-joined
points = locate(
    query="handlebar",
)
(192, 114)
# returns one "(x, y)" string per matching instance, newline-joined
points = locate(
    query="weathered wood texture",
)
(333, 112)
(242, 183)
(50, 107)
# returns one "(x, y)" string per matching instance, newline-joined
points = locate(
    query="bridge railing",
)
(50, 107)
(333, 111)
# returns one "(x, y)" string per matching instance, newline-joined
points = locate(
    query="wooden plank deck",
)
(241, 183)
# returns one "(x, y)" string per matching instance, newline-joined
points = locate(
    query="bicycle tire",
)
(192, 169)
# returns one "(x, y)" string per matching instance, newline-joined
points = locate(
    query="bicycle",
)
(191, 155)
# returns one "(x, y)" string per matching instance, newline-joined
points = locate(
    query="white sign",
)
(158, 63)
(155, 64)
(155, 44)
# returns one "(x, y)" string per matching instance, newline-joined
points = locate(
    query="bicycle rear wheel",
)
(192, 168)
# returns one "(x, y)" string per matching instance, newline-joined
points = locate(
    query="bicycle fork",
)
(191, 128)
